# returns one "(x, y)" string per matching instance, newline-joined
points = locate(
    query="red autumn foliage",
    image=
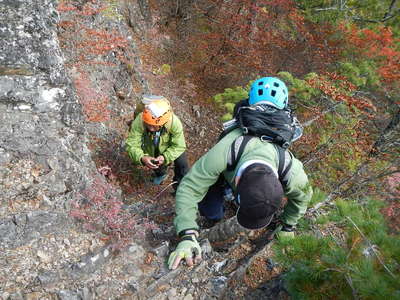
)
(96, 43)
(90, 8)
(392, 211)
(244, 38)
(88, 47)
(342, 94)
(380, 45)
(99, 209)
(95, 104)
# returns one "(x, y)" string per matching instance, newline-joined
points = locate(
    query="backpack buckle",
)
(265, 138)
(245, 130)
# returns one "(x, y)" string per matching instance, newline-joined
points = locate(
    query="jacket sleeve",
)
(194, 186)
(299, 193)
(133, 143)
(177, 143)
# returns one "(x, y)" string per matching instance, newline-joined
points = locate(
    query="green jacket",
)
(205, 172)
(140, 142)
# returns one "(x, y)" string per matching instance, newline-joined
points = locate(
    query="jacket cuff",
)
(288, 228)
(190, 231)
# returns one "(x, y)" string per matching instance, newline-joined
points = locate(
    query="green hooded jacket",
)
(140, 141)
(205, 172)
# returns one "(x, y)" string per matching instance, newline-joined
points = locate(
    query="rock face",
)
(52, 81)
(44, 160)
(42, 146)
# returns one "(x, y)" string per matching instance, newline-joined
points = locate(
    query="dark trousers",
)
(212, 205)
(181, 167)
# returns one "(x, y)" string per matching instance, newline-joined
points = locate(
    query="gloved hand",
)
(187, 247)
(284, 235)
(281, 231)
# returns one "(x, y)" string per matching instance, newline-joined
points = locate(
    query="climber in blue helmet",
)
(252, 177)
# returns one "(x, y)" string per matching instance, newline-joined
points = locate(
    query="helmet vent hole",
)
(261, 83)
(260, 92)
(273, 93)
(276, 84)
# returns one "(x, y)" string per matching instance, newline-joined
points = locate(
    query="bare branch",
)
(384, 19)
(388, 13)
(327, 8)
(309, 122)
(353, 290)
(162, 191)
(383, 138)
(372, 248)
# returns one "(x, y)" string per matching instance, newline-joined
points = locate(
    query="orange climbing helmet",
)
(157, 113)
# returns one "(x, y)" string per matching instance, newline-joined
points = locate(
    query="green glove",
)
(186, 248)
(284, 235)
(281, 232)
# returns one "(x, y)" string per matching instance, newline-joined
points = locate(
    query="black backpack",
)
(279, 127)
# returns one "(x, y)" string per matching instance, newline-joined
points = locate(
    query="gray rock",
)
(47, 277)
(162, 251)
(271, 290)
(44, 157)
(188, 297)
(133, 285)
(206, 247)
(16, 296)
(8, 231)
(171, 294)
(68, 295)
(22, 228)
(136, 251)
(218, 285)
(89, 263)
(224, 230)
(134, 271)
(216, 267)
(86, 294)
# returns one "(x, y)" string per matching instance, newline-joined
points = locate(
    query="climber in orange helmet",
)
(156, 139)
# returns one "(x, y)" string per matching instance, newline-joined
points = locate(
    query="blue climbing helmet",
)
(269, 90)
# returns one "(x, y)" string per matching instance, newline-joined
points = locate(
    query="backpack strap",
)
(228, 130)
(284, 157)
(236, 150)
(284, 165)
